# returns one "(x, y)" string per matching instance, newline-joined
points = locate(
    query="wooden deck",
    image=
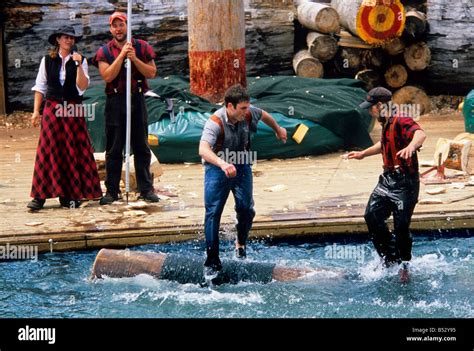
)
(322, 195)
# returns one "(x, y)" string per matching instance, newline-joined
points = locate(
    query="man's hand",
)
(281, 134)
(126, 49)
(406, 153)
(35, 119)
(229, 170)
(132, 55)
(358, 155)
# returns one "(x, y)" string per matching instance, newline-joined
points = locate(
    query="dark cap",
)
(376, 95)
(66, 30)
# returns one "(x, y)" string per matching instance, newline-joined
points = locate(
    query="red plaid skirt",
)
(65, 165)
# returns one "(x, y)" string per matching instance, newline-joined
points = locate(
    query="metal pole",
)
(129, 103)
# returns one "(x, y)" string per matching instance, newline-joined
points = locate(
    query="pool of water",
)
(58, 285)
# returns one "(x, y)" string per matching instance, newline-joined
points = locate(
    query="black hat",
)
(66, 30)
(376, 95)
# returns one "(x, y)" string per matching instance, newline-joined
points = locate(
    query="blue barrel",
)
(468, 112)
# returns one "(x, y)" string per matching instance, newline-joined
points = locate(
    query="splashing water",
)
(349, 281)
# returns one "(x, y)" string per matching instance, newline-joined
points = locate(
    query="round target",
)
(380, 21)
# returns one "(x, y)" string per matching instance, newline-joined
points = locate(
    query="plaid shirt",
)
(118, 85)
(404, 130)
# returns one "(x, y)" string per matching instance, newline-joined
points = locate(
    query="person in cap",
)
(64, 165)
(111, 59)
(397, 190)
(225, 150)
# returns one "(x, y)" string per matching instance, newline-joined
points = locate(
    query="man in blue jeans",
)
(225, 149)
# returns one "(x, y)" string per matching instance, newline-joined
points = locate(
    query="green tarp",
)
(327, 106)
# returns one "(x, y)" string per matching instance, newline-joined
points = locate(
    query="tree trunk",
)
(374, 23)
(321, 46)
(417, 56)
(450, 40)
(307, 66)
(413, 96)
(370, 77)
(318, 17)
(396, 76)
(217, 47)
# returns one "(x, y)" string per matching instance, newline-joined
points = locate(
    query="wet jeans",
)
(397, 194)
(216, 191)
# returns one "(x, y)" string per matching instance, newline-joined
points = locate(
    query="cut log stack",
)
(379, 42)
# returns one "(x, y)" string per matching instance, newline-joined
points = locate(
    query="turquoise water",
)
(354, 285)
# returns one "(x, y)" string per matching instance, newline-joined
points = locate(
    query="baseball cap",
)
(376, 95)
(119, 15)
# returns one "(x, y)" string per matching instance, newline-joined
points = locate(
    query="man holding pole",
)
(111, 59)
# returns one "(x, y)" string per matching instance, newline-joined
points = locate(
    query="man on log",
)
(398, 187)
(225, 150)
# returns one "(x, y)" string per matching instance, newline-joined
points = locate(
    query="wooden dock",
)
(316, 196)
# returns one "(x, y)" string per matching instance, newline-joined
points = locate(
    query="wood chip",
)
(135, 213)
(277, 188)
(430, 202)
(33, 224)
(136, 205)
(184, 215)
(436, 191)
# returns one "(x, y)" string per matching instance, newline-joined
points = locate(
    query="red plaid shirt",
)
(404, 130)
(144, 52)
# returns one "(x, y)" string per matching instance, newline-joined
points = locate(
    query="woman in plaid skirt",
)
(65, 165)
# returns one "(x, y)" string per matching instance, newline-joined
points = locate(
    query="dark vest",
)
(56, 91)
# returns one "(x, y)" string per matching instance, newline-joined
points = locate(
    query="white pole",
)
(129, 103)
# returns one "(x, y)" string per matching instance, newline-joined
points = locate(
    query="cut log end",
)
(415, 97)
(417, 56)
(396, 76)
(321, 46)
(307, 66)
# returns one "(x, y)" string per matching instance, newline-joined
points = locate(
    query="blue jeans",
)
(216, 191)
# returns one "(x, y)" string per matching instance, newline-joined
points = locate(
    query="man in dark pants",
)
(398, 187)
(225, 148)
(111, 59)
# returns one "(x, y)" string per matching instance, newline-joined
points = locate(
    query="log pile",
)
(380, 42)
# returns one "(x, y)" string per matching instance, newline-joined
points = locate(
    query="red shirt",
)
(144, 52)
(403, 131)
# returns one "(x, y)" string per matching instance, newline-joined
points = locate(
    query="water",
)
(58, 285)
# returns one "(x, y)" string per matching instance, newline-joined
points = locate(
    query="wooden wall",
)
(269, 36)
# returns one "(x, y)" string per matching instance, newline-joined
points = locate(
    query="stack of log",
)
(381, 42)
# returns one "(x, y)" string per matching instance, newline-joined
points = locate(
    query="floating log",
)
(307, 66)
(415, 24)
(370, 77)
(318, 17)
(396, 76)
(394, 47)
(321, 46)
(374, 22)
(187, 270)
(217, 47)
(413, 96)
(417, 56)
